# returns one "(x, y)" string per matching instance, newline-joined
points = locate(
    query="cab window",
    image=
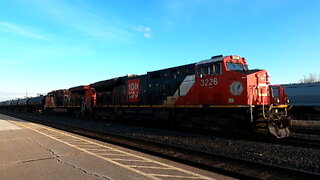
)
(209, 69)
(236, 67)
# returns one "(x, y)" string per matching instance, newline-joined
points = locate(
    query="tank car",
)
(22, 104)
(7, 104)
(13, 104)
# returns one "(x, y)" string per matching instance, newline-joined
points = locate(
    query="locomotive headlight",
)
(287, 101)
(277, 100)
(235, 57)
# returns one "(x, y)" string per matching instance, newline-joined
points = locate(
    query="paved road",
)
(33, 151)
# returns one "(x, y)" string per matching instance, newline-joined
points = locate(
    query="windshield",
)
(237, 67)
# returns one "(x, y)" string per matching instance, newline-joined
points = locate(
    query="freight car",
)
(304, 94)
(305, 98)
(34, 104)
(217, 93)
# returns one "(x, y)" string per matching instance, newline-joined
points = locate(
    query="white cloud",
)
(22, 31)
(84, 20)
(89, 20)
(147, 35)
(145, 30)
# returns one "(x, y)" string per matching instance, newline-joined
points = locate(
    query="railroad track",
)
(315, 131)
(297, 139)
(227, 165)
(303, 141)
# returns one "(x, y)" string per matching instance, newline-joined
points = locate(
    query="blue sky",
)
(54, 44)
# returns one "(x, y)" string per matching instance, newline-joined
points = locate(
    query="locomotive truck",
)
(217, 93)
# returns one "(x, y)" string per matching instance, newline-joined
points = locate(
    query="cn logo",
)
(133, 90)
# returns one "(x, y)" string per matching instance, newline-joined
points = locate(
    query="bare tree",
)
(312, 78)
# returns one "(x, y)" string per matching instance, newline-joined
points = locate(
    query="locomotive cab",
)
(222, 81)
(227, 82)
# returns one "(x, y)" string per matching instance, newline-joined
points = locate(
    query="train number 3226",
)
(209, 82)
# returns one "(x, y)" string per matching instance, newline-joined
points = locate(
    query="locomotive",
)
(217, 93)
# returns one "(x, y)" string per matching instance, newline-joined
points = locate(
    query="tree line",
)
(311, 78)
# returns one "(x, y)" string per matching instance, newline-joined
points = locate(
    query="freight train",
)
(217, 93)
